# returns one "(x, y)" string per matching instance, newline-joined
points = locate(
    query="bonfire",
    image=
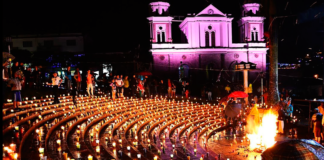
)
(261, 128)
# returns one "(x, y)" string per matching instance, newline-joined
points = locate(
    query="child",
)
(16, 85)
(113, 89)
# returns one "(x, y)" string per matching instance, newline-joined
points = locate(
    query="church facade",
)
(209, 48)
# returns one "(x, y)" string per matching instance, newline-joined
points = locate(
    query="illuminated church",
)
(209, 46)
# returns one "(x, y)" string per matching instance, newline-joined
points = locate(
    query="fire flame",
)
(262, 134)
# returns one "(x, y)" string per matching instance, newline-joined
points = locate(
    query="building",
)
(208, 44)
(68, 42)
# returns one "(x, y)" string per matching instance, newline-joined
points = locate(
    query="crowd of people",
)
(115, 85)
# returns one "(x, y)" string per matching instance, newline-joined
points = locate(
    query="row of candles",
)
(39, 132)
(178, 102)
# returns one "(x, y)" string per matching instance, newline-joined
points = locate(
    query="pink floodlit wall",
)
(251, 25)
(159, 25)
(221, 52)
(167, 64)
(166, 28)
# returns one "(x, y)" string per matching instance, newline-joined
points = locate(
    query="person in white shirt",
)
(56, 81)
(120, 84)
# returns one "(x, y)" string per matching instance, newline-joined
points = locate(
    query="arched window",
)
(213, 39)
(163, 37)
(207, 39)
(254, 36)
(158, 37)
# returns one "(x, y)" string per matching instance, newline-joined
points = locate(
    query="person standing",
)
(113, 89)
(140, 88)
(56, 81)
(316, 119)
(16, 86)
(126, 86)
(78, 79)
(169, 87)
(209, 93)
(318, 127)
(68, 79)
(119, 83)
(90, 83)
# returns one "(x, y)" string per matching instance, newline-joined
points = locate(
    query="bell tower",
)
(251, 24)
(160, 23)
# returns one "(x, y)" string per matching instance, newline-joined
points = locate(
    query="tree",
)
(273, 45)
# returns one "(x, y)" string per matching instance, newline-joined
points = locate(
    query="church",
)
(208, 48)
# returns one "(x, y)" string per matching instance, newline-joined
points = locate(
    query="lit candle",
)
(98, 149)
(78, 145)
(58, 142)
(114, 144)
(13, 147)
(41, 150)
(16, 156)
(89, 157)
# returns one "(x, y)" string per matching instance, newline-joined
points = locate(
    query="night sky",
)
(122, 25)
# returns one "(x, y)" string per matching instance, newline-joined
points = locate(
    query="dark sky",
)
(120, 24)
(117, 25)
